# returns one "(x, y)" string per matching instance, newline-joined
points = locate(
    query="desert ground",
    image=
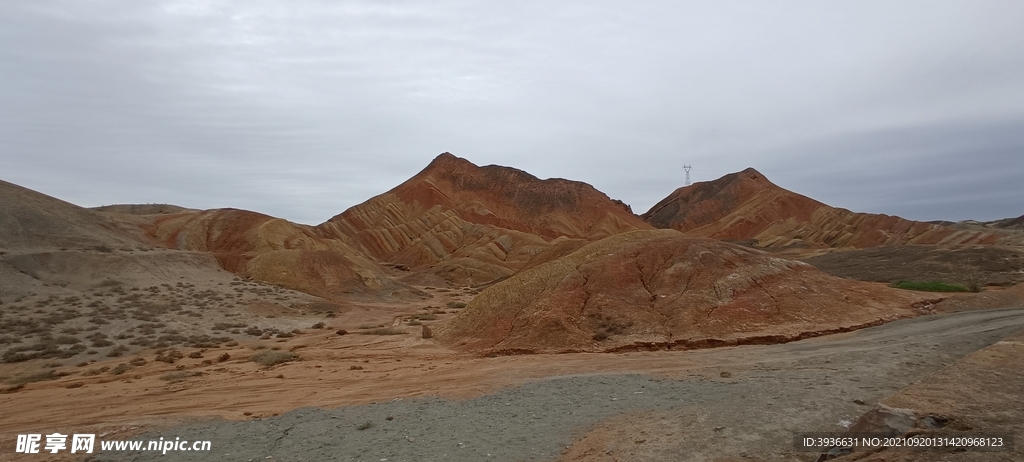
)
(421, 401)
(481, 313)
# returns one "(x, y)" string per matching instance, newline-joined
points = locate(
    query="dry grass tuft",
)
(273, 357)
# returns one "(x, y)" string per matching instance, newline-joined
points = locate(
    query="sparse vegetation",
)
(37, 377)
(175, 376)
(169, 356)
(120, 369)
(929, 286)
(272, 357)
(383, 331)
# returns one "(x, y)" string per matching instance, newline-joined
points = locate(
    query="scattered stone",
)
(885, 419)
(427, 333)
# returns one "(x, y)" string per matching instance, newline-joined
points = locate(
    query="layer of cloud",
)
(302, 109)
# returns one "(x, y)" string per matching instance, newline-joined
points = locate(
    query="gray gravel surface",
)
(771, 392)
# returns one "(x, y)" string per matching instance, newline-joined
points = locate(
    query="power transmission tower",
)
(687, 168)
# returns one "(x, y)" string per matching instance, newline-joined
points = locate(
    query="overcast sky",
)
(301, 109)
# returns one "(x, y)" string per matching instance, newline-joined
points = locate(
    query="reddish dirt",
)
(659, 289)
(275, 251)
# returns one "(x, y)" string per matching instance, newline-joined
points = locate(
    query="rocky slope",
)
(489, 221)
(745, 206)
(662, 289)
(275, 251)
(32, 220)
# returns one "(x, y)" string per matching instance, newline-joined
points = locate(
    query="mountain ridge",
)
(746, 206)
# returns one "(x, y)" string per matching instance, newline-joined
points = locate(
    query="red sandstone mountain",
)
(662, 289)
(746, 206)
(463, 223)
(475, 224)
(274, 251)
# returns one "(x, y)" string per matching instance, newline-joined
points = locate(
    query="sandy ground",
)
(335, 404)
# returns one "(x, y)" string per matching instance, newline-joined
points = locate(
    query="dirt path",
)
(695, 405)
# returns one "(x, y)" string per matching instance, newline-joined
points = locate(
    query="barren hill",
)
(29, 219)
(274, 251)
(77, 284)
(746, 206)
(143, 209)
(489, 220)
(662, 289)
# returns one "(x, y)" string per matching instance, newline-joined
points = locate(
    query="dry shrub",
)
(176, 376)
(273, 357)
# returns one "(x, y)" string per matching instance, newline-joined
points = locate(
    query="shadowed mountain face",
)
(29, 219)
(491, 220)
(746, 206)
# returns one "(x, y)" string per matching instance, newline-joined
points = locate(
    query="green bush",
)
(383, 331)
(929, 286)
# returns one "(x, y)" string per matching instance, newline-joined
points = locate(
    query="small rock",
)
(858, 401)
(725, 374)
(426, 332)
(341, 332)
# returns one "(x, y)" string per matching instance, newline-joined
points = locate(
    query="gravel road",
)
(747, 401)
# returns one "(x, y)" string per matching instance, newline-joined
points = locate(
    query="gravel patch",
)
(752, 408)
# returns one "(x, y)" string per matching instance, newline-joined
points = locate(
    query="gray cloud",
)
(302, 109)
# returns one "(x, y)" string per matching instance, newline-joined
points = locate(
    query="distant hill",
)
(143, 209)
(1007, 223)
(29, 220)
(745, 206)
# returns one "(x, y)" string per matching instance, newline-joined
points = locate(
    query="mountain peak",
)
(447, 160)
(699, 204)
